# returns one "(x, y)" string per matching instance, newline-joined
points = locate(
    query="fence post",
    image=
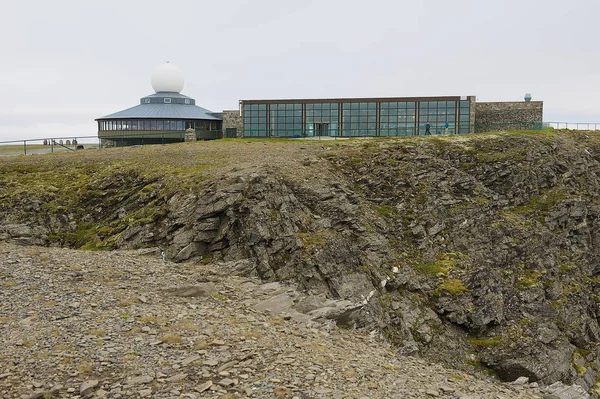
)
(25, 147)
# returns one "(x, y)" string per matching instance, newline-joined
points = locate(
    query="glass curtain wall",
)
(322, 119)
(359, 119)
(281, 120)
(437, 114)
(397, 118)
(285, 120)
(356, 119)
(255, 120)
(464, 117)
(137, 125)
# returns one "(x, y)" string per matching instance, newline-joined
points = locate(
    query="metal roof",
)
(164, 111)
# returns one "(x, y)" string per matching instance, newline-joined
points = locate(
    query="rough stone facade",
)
(492, 116)
(472, 113)
(233, 120)
(190, 135)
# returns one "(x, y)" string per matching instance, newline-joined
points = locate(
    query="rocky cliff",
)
(479, 251)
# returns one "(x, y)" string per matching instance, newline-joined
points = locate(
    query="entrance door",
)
(321, 129)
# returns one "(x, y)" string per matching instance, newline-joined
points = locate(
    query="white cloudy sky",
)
(66, 62)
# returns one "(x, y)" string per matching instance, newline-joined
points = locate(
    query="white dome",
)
(167, 77)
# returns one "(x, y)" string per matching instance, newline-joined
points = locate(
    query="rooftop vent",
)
(527, 98)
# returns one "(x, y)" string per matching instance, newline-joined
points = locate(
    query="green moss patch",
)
(484, 342)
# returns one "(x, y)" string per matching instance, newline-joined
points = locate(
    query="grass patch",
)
(201, 345)
(85, 368)
(171, 339)
(441, 266)
(129, 301)
(220, 297)
(186, 325)
(386, 210)
(431, 268)
(152, 319)
(314, 240)
(484, 342)
(540, 206)
(528, 280)
(453, 287)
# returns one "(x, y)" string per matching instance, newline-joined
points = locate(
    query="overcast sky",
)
(66, 62)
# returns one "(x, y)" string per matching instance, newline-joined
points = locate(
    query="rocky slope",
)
(123, 324)
(478, 252)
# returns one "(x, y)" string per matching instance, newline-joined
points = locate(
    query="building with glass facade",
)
(166, 116)
(358, 117)
(169, 116)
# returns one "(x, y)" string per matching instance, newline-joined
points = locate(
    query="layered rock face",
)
(478, 251)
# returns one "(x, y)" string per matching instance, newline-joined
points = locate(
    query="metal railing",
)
(573, 125)
(512, 126)
(48, 145)
(56, 144)
(139, 137)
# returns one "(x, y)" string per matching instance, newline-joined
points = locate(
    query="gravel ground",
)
(105, 324)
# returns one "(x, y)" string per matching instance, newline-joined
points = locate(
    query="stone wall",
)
(472, 113)
(233, 120)
(495, 116)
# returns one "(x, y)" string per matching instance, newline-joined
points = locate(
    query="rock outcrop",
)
(478, 251)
